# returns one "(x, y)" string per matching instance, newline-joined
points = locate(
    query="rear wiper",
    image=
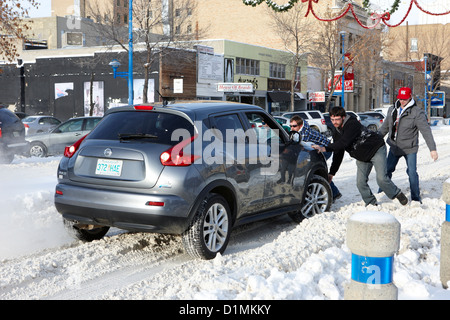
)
(131, 136)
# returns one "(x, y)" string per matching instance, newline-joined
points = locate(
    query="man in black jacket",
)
(369, 150)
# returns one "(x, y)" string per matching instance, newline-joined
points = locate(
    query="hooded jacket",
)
(356, 140)
(403, 131)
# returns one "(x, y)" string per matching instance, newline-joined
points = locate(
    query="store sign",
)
(348, 84)
(235, 87)
(318, 96)
(438, 99)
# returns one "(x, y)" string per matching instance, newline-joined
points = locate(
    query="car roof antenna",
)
(163, 99)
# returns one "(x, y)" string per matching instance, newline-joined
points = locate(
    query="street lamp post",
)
(115, 64)
(342, 33)
(130, 52)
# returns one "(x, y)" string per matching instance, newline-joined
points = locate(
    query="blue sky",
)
(43, 11)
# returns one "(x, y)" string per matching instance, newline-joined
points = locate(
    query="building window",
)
(247, 66)
(414, 45)
(277, 70)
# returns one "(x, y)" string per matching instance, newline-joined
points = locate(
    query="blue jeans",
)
(411, 170)
(384, 182)
(334, 189)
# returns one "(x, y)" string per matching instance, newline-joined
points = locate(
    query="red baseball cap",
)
(404, 93)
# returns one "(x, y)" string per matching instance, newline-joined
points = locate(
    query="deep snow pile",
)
(276, 259)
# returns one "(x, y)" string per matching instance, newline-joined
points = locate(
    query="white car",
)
(314, 118)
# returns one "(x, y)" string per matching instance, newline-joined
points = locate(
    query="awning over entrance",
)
(283, 96)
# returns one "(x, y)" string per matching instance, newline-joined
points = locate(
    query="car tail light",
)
(26, 125)
(59, 192)
(0, 132)
(70, 150)
(323, 121)
(155, 203)
(143, 108)
(175, 156)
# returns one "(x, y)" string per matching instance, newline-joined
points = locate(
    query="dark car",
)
(194, 169)
(55, 141)
(12, 136)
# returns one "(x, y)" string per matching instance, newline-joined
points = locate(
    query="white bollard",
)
(445, 237)
(373, 238)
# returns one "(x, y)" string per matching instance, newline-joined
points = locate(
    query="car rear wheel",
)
(209, 231)
(37, 149)
(85, 233)
(318, 199)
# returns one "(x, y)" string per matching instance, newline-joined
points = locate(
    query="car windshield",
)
(29, 119)
(143, 127)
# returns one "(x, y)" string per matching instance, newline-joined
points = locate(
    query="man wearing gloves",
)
(402, 124)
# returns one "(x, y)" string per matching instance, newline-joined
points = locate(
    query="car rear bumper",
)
(129, 211)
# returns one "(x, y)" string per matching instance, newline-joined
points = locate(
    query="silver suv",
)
(194, 169)
(314, 118)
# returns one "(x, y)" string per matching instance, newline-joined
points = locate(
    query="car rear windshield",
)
(151, 127)
(7, 116)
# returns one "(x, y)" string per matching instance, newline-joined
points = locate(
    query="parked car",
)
(39, 124)
(353, 114)
(314, 118)
(12, 136)
(285, 122)
(371, 123)
(376, 114)
(55, 141)
(181, 169)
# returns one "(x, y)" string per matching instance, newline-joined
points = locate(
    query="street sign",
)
(235, 87)
(348, 84)
(438, 99)
(318, 96)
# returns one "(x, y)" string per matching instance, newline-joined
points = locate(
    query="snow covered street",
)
(274, 259)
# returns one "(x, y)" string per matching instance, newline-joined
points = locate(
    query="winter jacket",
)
(403, 137)
(353, 137)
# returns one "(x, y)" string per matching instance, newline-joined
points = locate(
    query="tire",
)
(38, 149)
(318, 199)
(210, 228)
(85, 235)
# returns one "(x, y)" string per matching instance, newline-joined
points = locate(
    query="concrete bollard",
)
(445, 237)
(373, 238)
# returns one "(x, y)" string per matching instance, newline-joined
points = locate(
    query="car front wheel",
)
(318, 199)
(37, 149)
(209, 231)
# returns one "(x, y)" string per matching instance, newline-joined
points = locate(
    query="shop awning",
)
(283, 96)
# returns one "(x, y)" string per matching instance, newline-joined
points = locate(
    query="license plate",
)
(107, 167)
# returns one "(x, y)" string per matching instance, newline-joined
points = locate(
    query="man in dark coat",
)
(402, 124)
(369, 150)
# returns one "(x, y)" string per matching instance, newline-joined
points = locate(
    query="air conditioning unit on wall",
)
(75, 39)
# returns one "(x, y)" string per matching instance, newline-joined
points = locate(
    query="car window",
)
(91, 123)
(315, 115)
(28, 119)
(264, 127)
(71, 126)
(229, 121)
(7, 116)
(160, 127)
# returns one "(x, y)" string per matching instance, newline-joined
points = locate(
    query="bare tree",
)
(295, 33)
(158, 25)
(433, 41)
(11, 26)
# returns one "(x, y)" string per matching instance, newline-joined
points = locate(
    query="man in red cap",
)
(403, 122)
